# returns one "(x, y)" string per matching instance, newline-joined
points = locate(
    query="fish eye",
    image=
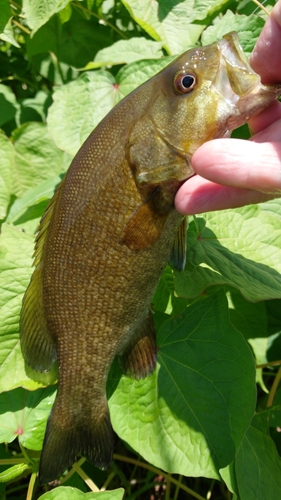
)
(185, 82)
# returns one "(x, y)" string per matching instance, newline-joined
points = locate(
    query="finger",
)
(241, 164)
(266, 118)
(199, 195)
(266, 56)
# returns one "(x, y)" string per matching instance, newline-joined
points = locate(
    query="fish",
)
(108, 233)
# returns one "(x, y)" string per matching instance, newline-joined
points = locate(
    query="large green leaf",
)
(240, 247)
(127, 51)
(74, 42)
(257, 465)
(80, 105)
(30, 206)
(248, 29)
(8, 104)
(171, 21)
(38, 13)
(190, 416)
(7, 164)
(36, 157)
(24, 415)
(68, 493)
(16, 249)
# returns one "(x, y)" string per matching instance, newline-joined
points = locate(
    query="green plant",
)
(210, 415)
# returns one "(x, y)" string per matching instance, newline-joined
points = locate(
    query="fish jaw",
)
(240, 86)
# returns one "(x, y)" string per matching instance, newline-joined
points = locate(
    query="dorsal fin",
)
(43, 226)
(37, 345)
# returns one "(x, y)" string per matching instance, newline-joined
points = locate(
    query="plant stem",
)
(270, 363)
(178, 488)
(85, 477)
(21, 27)
(261, 7)
(196, 224)
(31, 486)
(159, 473)
(108, 481)
(100, 18)
(168, 487)
(14, 461)
(274, 388)
(57, 64)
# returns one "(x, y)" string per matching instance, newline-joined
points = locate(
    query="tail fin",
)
(62, 447)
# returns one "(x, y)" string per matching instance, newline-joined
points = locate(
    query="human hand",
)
(234, 172)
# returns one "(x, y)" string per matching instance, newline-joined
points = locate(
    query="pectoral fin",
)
(178, 254)
(138, 360)
(144, 227)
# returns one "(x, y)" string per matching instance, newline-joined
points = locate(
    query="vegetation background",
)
(207, 423)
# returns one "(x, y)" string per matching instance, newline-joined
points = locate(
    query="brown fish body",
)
(107, 235)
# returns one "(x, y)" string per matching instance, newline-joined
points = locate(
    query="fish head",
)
(206, 93)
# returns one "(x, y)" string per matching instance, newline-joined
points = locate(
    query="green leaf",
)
(240, 247)
(8, 35)
(257, 465)
(7, 159)
(248, 28)
(80, 105)
(36, 157)
(24, 415)
(74, 42)
(12, 472)
(197, 405)
(8, 104)
(5, 14)
(132, 75)
(127, 51)
(38, 13)
(68, 493)
(20, 210)
(170, 22)
(16, 249)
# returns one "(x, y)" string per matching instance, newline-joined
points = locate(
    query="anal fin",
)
(178, 254)
(138, 359)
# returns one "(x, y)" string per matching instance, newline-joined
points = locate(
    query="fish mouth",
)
(239, 85)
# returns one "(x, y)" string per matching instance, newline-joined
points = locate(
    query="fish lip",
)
(238, 85)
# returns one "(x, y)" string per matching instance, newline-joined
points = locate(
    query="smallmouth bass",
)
(108, 233)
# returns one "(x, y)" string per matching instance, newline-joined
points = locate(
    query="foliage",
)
(64, 64)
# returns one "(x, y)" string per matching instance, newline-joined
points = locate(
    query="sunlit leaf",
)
(170, 22)
(7, 165)
(36, 157)
(12, 472)
(38, 13)
(24, 415)
(80, 105)
(68, 493)
(190, 416)
(240, 247)
(16, 249)
(127, 51)
(248, 29)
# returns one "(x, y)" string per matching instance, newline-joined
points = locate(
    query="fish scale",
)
(108, 233)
